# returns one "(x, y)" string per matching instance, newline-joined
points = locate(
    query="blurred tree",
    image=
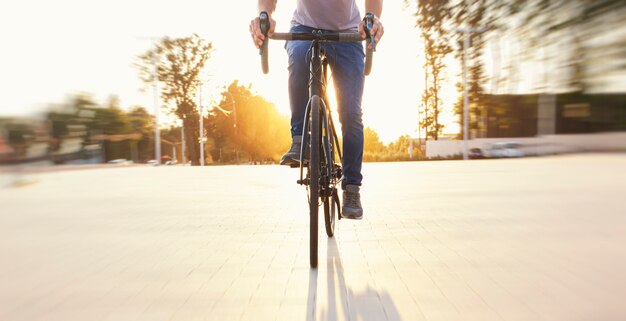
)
(372, 141)
(400, 148)
(472, 14)
(376, 151)
(431, 17)
(111, 123)
(247, 125)
(143, 123)
(171, 140)
(373, 148)
(180, 65)
(558, 39)
(112, 119)
(82, 119)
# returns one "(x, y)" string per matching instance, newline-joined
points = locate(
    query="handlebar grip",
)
(263, 51)
(282, 36)
(350, 37)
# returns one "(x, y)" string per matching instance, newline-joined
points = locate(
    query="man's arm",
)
(267, 5)
(375, 7)
(255, 26)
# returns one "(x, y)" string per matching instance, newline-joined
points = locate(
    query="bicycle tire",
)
(331, 207)
(328, 199)
(314, 167)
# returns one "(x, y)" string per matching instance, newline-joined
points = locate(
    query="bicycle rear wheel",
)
(314, 169)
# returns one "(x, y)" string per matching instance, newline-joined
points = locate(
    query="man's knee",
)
(297, 52)
(351, 121)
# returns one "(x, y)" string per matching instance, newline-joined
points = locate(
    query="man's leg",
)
(298, 92)
(346, 60)
(347, 64)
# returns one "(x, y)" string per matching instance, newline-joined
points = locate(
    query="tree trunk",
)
(192, 142)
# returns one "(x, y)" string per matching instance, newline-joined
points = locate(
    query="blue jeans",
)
(346, 59)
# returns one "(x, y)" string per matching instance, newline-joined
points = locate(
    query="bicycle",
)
(323, 173)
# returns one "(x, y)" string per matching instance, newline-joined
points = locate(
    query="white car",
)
(119, 161)
(504, 150)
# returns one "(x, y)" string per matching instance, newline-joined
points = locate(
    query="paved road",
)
(528, 239)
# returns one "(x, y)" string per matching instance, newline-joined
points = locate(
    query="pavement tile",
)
(527, 239)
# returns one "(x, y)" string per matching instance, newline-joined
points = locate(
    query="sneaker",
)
(352, 203)
(292, 157)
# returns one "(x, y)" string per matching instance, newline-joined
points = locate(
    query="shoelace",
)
(352, 200)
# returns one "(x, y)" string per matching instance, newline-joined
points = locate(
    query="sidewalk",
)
(523, 239)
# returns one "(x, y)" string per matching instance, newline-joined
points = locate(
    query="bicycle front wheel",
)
(314, 169)
(331, 212)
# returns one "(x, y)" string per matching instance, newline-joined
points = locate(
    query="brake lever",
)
(265, 27)
(369, 24)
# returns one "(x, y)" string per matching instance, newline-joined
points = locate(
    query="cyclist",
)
(347, 62)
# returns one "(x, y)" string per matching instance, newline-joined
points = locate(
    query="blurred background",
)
(125, 85)
(143, 82)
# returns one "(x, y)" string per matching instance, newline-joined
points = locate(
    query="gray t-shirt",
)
(337, 15)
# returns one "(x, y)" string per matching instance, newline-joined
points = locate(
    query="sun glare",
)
(100, 60)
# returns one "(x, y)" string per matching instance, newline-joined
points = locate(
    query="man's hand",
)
(377, 30)
(255, 31)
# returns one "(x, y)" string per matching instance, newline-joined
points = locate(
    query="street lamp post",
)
(182, 142)
(157, 132)
(466, 44)
(201, 126)
(232, 102)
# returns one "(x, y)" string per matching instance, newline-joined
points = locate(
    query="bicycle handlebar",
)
(337, 37)
(319, 36)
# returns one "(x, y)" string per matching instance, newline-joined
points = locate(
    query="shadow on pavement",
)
(343, 303)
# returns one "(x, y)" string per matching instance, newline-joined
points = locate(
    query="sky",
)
(55, 48)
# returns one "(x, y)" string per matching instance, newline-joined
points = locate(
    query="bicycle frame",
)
(330, 142)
